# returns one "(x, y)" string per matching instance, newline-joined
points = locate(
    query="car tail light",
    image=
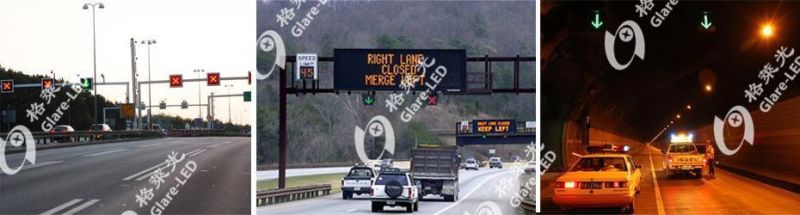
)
(569, 184)
(616, 184)
(669, 158)
(409, 193)
(559, 184)
(372, 192)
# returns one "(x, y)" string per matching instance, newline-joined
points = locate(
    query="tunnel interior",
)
(584, 98)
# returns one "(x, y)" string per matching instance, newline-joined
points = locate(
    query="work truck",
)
(435, 170)
(683, 158)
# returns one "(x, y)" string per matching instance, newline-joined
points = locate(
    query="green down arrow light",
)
(705, 23)
(86, 83)
(597, 23)
(368, 99)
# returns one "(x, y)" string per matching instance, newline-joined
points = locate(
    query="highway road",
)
(105, 178)
(726, 193)
(482, 190)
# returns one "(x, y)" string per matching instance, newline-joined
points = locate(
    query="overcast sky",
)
(217, 36)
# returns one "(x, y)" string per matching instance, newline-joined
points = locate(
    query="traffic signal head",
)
(184, 105)
(247, 96)
(47, 83)
(7, 86)
(433, 99)
(176, 81)
(87, 83)
(213, 79)
(368, 99)
(162, 105)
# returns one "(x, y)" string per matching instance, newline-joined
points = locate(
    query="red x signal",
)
(213, 79)
(432, 99)
(7, 86)
(47, 83)
(176, 81)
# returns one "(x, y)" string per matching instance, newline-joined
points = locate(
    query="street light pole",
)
(229, 102)
(149, 42)
(199, 87)
(94, 50)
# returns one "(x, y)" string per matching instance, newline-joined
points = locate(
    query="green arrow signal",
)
(706, 24)
(368, 100)
(597, 23)
(86, 83)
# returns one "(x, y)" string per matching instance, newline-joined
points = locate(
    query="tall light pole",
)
(199, 87)
(94, 50)
(229, 86)
(149, 42)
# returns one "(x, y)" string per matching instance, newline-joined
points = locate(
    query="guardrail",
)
(194, 132)
(44, 138)
(268, 197)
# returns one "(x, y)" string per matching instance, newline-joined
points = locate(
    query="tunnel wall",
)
(776, 150)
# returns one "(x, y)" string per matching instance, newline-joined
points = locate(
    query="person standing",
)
(710, 158)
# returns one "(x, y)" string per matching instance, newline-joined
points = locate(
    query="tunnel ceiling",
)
(642, 99)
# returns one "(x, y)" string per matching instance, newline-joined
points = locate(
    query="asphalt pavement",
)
(485, 190)
(212, 178)
(725, 193)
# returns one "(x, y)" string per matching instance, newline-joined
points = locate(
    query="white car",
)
(607, 179)
(394, 188)
(358, 181)
(471, 164)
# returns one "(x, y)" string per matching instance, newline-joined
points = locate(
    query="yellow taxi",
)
(607, 177)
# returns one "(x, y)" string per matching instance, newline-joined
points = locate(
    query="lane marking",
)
(148, 145)
(196, 153)
(105, 152)
(659, 203)
(81, 207)
(352, 210)
(462, 198)
(40, 164)
(214, 146)
(61, 207)
(144, 171)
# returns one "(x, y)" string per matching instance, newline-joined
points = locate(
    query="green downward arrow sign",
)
(706, 24)
(597, 23)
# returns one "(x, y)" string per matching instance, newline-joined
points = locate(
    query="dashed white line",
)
(61, 207)
(196, 153)
(105, 152)
(352, 210)
(473, 190)
(659, 203)
(81, 207)
(143, 171)
(40, 164)
(148, 145)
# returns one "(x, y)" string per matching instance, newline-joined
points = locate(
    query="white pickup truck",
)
(683, 157)
(358, 181)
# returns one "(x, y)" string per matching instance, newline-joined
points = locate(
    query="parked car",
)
(63, 129)
(495, 162)
(358, 181)
(394, 188)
